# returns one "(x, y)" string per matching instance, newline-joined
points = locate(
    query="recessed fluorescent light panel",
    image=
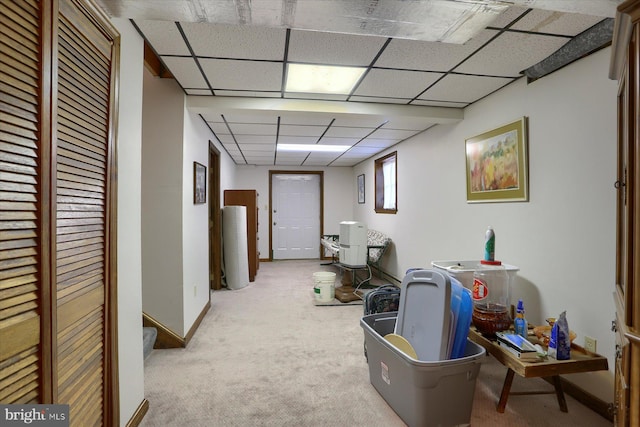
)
(314, 147)
(322, 78)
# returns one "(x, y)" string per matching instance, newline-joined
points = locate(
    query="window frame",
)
(379, 183)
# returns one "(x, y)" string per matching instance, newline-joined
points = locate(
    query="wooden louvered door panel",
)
(20, 287)
(58, 62)
(81, 165)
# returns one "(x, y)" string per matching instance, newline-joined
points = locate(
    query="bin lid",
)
(424, 315)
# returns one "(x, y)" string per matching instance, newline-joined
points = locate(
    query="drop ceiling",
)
(230, 58)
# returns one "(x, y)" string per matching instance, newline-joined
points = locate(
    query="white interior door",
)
(296, 216)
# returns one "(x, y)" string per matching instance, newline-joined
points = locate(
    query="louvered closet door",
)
(20, 288)
(82, 208)
(57, 101)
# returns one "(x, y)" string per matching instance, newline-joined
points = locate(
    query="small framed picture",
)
(361, 189)
(199, 183)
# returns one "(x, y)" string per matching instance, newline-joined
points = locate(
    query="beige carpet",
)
(265, 355)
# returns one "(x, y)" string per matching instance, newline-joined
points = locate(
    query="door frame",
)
(293, 172)
(215, 233)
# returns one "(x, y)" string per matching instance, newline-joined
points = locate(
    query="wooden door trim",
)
(46, 218)
(215, 233)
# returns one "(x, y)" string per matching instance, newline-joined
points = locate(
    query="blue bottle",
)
(520, 323)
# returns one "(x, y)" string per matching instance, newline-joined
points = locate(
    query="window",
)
(386, 185)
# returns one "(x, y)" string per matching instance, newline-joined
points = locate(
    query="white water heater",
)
(353, 244)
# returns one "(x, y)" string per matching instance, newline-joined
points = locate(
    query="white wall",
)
(339, 197)
(563, 239)
(129, 134)
(162, 200)
(195, 222)
(175, 256)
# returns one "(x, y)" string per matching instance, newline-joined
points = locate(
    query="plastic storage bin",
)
(463, 271)
(435, 393)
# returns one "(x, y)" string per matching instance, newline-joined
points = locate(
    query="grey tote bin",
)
(434, 393)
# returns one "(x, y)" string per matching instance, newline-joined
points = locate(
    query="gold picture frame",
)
(497, 169)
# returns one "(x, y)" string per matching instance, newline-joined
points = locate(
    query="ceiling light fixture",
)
(314, 147)
(309, 78)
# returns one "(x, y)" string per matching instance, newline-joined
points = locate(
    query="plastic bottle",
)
(520, 323)
(489, 245)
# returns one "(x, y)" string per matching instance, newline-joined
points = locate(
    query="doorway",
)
(295, 214)
(215, 234)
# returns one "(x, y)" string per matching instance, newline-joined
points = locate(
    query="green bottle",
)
(489, 245)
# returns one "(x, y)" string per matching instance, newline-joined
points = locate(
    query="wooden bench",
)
(581, 361)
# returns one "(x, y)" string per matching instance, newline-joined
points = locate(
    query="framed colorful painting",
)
(497, 169)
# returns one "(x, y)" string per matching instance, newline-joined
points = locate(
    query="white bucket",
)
(324, 286)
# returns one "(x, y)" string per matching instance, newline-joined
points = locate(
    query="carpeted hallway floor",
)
(265, 355)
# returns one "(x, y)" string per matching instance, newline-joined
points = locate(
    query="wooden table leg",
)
(559, 393)
(506, 388)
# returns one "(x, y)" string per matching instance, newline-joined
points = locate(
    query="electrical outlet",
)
(195, 290)
(590, 344)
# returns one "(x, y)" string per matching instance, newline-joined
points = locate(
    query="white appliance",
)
(353, 244)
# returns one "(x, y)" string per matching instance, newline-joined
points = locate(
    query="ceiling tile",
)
(231, 148)
(249, 94)
(255, 139)
(344, 162)
(507, 17)
(362, 150)
(198, 92)
(235, 41)
(315, 96)
(292, 158)
(286, 139)
(252, 128)
(305, 119)
(257, 147)
(379, 100)
(333, 48)
(511, 53)
(391, 83)
(264, 162)
(365, 122)
(440, 103)
(378, 143)
(339, 141)
(252, 158)
(393, 133)
(243, 75)
(186, 72)
(219, 128)
(429, 56)
(164, 36)
(548, 21)
(408, 123)
(322, 158)
(461, 88)
(301, 130)
(288, 162)
(246, 61)
(348, 132)
(251, 117)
